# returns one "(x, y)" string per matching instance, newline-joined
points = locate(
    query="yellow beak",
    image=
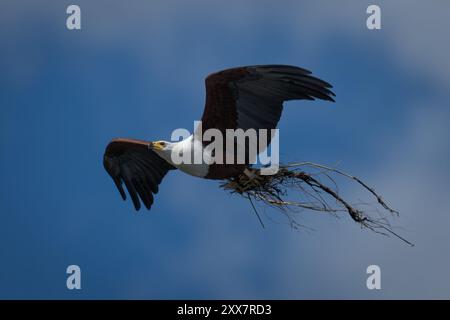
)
(156, 146)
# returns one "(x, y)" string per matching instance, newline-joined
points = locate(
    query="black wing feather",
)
(252, 98)
(132, 163)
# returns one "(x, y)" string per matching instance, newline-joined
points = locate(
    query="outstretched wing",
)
(141, 169)
(253, 96)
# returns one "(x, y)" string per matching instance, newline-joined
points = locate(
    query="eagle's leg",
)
(251, 178)
(250, 173)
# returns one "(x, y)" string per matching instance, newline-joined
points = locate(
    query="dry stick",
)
(354, 213)
(269, 189)
(256, 212)
(371, 190)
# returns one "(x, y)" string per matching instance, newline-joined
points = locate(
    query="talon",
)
(251, 175)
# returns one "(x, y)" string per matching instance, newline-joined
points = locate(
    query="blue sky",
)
(136, 69)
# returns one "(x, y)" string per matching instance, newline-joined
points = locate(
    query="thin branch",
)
(256, 212)
(273, 190)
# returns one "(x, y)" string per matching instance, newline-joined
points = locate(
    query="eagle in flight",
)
(244, 98)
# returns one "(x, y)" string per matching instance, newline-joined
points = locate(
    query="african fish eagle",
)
(248, 97)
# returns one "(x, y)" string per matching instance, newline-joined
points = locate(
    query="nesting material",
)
(310, 186)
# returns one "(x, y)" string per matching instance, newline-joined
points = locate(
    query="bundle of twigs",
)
(313, 193)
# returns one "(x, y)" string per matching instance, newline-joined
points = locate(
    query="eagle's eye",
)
(162, 143)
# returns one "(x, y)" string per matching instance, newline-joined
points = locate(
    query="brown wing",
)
(141, 169)
(253, 96)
